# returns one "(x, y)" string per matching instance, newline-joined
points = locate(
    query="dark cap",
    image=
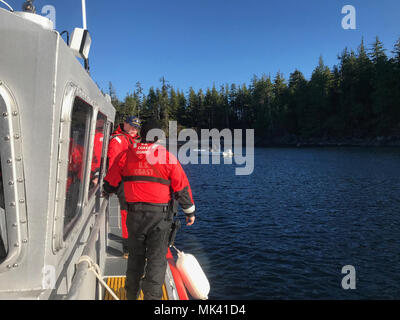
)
(133, 121)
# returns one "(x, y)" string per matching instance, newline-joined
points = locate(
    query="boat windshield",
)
(3, 251)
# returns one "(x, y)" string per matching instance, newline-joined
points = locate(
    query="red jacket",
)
(120, 141)
(75, 165)
(97, 151)
(149, 173)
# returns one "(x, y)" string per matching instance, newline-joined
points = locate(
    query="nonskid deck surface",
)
(117, 284)
(116, 265)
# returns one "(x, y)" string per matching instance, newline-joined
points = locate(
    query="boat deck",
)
(115, 266)
(117, 284)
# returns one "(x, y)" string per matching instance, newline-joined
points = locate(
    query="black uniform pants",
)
(148, 228)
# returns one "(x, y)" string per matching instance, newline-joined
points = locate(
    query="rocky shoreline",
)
(294, 141)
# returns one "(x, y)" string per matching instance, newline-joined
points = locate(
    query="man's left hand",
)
(190, 220)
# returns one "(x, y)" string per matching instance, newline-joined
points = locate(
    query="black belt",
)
(147, 179)
(138, 206)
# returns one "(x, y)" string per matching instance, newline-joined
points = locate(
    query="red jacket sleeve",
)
(114, 150)
(181, 187)
(114, 176)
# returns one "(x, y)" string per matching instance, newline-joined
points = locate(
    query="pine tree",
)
(163, 101)
(173, 105)
(150, 110)
(279, 106)
(182, 115)
(362, 110)
(319, 106)
(140, 97)
(377, 53)
(396, 51)
(381, 88)
(297, 102)
(193, 108)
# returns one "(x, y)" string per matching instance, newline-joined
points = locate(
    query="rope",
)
(179, 252)
(96, 270)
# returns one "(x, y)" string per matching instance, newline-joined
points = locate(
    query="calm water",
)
(286, 231)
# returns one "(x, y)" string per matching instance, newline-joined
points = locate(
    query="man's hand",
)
(190, 220)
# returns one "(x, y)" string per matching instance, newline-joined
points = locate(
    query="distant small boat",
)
(228, 153)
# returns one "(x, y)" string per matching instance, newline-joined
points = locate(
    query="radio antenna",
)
(84, 14)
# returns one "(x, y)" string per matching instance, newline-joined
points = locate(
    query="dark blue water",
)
(287, 230)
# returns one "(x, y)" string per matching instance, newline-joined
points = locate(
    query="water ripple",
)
(286, 231)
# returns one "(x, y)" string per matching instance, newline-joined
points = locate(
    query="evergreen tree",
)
(396, 52)
(261, 113)
(182, 116)
(173, 105)
(279, 107)
(297, 102)
(319, 104)
(163, 101)
(381, 90)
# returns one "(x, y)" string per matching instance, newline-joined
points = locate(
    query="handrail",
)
(83, 267)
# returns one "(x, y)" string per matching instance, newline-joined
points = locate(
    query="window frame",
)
(82, 197)
(13, 179)
(60, 239)
(92, 193)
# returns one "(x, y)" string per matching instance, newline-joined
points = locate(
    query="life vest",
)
(145, 181)
(150, 174)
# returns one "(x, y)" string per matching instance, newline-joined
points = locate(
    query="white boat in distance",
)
(226, 154)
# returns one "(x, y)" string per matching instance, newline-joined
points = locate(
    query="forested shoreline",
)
(357, 102)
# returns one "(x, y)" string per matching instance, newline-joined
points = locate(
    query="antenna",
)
(84, 14)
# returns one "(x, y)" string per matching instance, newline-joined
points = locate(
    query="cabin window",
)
(3, 233)
(78, 145)
(98, 156)
(109, 132)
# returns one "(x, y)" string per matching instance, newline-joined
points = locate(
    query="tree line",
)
(358, 98)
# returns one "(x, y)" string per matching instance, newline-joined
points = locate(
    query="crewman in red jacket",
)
(151, 177)
(126, 134)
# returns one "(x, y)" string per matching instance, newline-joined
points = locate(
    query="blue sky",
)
(205, 42)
